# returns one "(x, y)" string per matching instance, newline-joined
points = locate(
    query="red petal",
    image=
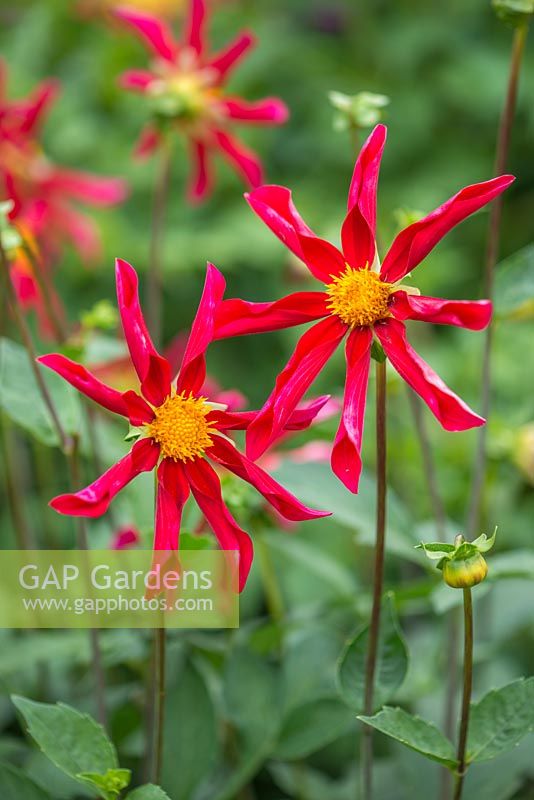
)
(472, 314)
(311, 354)
(92, 189)
(274, 205)
(242, 158)
(193, 370)
(195, 26)
(148, 141)
(33, 110)
(302, 417)
(172, 494)
(346, 460)
(228, 58)
(139, 412)
(79, 377)
(283, 501)
(93, 501)
(206, 489)
(80, 228)
(200, 183)
(359, 247)
(450, 410)
(135, 331)
(156, 386)
(237, 317)
(154, 32)
(270, 110)
(414, 243)
(324, 261)
(362, 192)
(137, 80)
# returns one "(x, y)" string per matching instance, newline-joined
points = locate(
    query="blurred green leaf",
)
(22, 401)
(500, 720)
(391, 665)
(74, 742)
(514, 286)
(16, 785)
(415, 733)
(110, 785)
(311, 727)
(148, 792)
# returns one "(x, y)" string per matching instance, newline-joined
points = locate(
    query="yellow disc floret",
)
(358, 297)
(180, 427)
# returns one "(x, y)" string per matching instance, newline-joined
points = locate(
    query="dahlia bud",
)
(523, 451)
(515, 12)
(462, 563)
(362, 110)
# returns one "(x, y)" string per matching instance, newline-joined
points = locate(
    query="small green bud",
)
(514, 12)
(462, 563)
(362, 110)
(102, 316)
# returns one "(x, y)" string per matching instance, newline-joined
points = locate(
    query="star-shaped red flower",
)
(179, 430)
(360, 300)
(185, 87)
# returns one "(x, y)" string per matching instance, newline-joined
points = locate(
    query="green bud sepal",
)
(462, 563)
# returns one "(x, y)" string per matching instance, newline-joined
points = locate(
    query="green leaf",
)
(190, 748)
(436, 550)
(16, 785)
(391, 667)
(22, 401)
(111, 784)
(415, 733)
(148, 792)
(514, 285)
(251, 695)
(74, 742)
(311, 727)
(500, 720)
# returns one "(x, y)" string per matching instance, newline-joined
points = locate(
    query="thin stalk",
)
(378, 583)
(466, 697)
(15, 496)
(54, 318)
(155, 287)
(492, 253)
(26, 337)
(160, 640)
(273, 594)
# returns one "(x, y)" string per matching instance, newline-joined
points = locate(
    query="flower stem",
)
(158, 221)
(466, 697)
(14, 490)
(273, 594)
(374, 629)
(160, 641)
(54, 317)
(492, 252)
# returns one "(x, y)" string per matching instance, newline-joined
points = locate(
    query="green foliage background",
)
(444, 67)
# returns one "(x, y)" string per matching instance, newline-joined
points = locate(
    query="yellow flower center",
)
(358, 297)
(180, 427)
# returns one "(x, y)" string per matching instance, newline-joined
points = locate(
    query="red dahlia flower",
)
(185, 87)
(360, 300)
(178, 430)
(44, 195)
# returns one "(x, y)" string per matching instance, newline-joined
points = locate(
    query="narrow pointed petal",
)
(324, 261)
(274, 205)
(148, 142)
(346, 459)
(302, 417)
(152, 31)
(311, 354)
(363, 187)
(92, 189)
(79, 377)
(200, 182)
(172, 494)
(206, 489)
(414, 243)
(139, 412)
(156, 386)
(81, 230)
(135, 331)
(270, 110)
(244, 160)
(475, 315)
(137, 80)
(33, 111)
(93, 501)
(226, 454)
(358, 241)
(227, 59)
(193, 370)
(238, 317)
(195, 26)
(450, 410)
